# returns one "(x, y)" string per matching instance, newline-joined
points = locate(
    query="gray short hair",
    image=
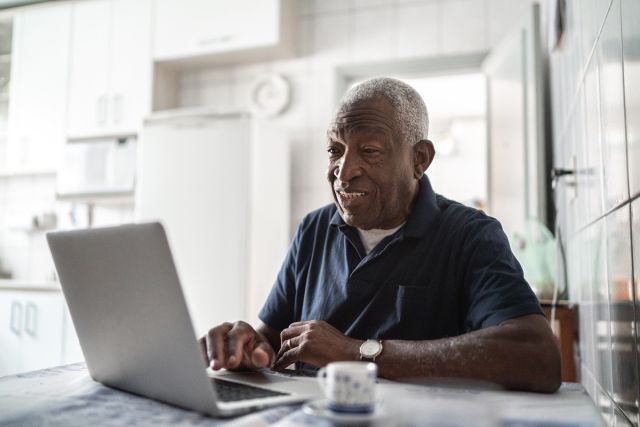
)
(411, 119)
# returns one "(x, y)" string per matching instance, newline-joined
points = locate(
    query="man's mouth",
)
(350, 195)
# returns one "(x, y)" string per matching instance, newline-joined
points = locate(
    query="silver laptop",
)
(135, 331)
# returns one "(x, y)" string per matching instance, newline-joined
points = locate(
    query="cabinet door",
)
(193, 27)
(88, 97)
(11, 331)
(130, 65)
(71, 351)
(43, 332)
(38, 90)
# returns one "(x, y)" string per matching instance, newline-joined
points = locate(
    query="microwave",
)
(97, 168)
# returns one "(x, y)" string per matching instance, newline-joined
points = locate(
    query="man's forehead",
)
(341, 131)
(369, 116)
(374, 107)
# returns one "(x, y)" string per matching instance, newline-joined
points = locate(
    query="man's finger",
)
(215, 345)
(235, 346)
(262, 355)
(291, 332)
(288, 345)
(203, 350)
(218, 353)
(287, 359)
(300, 323)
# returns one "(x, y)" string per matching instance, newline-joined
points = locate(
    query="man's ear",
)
(423, 153)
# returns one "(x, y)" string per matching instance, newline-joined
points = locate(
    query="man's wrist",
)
(352, 351)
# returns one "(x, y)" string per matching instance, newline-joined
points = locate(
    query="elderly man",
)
(393, 272)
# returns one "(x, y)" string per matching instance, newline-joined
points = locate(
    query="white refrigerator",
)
(200, 172)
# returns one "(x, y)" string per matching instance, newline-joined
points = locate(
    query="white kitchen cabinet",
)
(110, 71)
(31, 330)
(38, 88)
(71, 351)
(191, 29)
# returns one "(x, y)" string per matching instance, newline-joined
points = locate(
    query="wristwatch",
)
(370, 349)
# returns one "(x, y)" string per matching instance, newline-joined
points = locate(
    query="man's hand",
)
(236, 346)
(314, 342)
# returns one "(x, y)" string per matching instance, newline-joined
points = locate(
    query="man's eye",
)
(370, 151)
(333, 151)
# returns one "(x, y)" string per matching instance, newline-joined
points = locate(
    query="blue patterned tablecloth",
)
(67, 396)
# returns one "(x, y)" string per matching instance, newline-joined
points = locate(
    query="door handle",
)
(15, 323)
(31, 319)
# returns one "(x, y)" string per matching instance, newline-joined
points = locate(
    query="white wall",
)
(340, 32)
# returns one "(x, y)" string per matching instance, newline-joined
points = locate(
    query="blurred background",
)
(210, 116)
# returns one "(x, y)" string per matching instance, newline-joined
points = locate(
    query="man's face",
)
(372, 172)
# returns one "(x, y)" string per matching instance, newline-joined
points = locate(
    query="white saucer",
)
(319, 408)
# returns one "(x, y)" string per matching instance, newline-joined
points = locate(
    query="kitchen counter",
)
(67, 396)
(29, 285)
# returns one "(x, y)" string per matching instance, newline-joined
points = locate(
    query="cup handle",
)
(322, 378)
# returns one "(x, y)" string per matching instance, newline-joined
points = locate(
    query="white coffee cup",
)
(350, 387)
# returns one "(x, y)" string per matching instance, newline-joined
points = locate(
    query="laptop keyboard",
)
(228, 391)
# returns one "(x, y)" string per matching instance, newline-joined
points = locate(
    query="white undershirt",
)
(371, 238)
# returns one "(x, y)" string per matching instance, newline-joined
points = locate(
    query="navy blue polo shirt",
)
(447, 271)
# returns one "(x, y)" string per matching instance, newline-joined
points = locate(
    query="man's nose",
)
(348, 167)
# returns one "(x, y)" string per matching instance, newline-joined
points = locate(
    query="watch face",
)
(370, 348)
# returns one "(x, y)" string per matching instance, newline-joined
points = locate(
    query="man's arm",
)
(519, 354)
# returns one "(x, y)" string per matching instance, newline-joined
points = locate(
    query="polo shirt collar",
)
(424, 213)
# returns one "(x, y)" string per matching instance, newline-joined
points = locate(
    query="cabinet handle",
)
(117, 108)
(15, 324)
(31, 319)
(211, 41)
(102, 109)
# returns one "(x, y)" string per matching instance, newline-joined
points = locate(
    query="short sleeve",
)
(494, 281)
(277, 311)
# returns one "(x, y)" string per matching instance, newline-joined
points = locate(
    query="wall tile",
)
(612, 110)
(599, 305)
(595, 198)
(582, 165)
(330, 39)
(635, 238)
(621, 297)
(620, 419)
(631, 50)
(418, 29)
(464, 26)
(593, 15)
(322, 94)
(371, 34)
(323, 6)
(502, 16)
(309, 160)
(367, 4)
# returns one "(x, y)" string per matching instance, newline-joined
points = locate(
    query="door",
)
(38, 90)
(130, 77)
(88, 91)
(517, 181)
